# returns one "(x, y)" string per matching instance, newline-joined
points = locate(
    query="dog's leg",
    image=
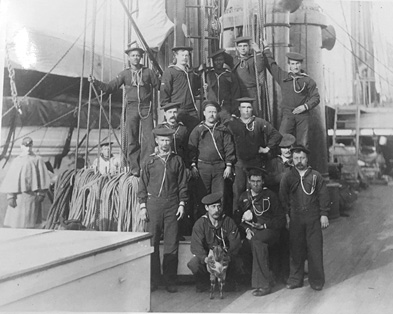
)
(212, 285)
(221, 283)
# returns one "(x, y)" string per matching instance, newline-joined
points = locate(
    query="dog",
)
(217, 264)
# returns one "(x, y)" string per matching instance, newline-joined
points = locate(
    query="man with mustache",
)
(162, 196)
(213, 228)
(180, 137)
(305, 199)
(212, 152)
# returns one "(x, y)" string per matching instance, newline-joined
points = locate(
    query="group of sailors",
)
(271, 185)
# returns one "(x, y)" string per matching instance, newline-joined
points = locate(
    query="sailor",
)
(305, 199)
(222, 86)
(244, 67)
(180, 137)
(26, 183)
(262, 220)
(162, 196)
(255, 140)
(139, 82)
(281, 164)
(107, 163)
(299, 95)
(213, 228)
(180, 147)
(181, 84)
(212, 152)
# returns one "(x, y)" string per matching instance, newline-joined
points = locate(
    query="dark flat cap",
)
(300, 148)
(213, 198)
(255, 171)
(27, 141)
(163, 132)
(217, 53)
(170, 105)
(129, 49)
(211, 103)
(106, 144)
(245, 99)
(182, 48)
(242, 39)
(295, 56)
(287, 140)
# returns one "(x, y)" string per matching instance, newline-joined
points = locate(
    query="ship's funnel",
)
(328, 37)
(287, 5)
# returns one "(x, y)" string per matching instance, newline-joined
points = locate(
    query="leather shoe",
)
(261, 292)
(171, 289)
(294, 285)
(317, 287)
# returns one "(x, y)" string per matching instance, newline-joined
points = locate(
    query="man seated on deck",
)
(162, 195)
(213, 228)
(107, 163)
(305, 200)
(262, 219)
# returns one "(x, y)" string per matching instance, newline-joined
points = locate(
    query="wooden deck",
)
(358, 256)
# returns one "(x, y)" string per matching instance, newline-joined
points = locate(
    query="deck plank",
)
(358, 259)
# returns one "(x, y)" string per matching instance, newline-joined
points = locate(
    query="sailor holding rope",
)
(299, 95)
(139, 82)
(305, 199)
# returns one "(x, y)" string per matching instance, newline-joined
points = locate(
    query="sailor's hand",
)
(12, 202)
(255, 47)
(250, 234)
(263, 150)
(247, 215)
(324, 222)
(202, 67)
(180, 212)
(299, 109)
(143, 214)
(227, 172)
(91, 79)
(265, 44)
(194, 172)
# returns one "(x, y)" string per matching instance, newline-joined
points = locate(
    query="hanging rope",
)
(93, 35)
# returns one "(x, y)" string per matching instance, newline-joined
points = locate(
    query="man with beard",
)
(213, 228)
(255, 138)
(305, 198)
(262, 219)
(180, 137)
(281, 164)
(162, 196)
(222, 86)
(180, 83)
(212, 152)
(139, 82)
(107, 163)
